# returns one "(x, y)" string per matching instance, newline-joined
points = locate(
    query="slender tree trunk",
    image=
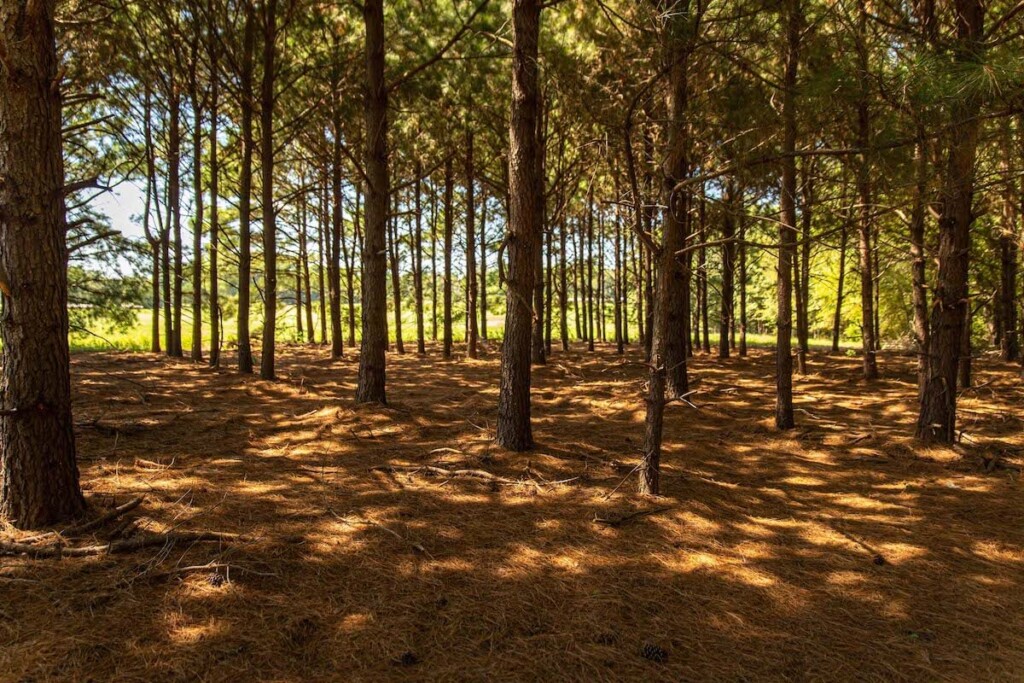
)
(919, 260)
(421, 346)
(483, 267)
(433, 265)
(514, 431)
(704, 298)
(601, 328)
(590, 273)
(563, 285)
(350, 261)
(793, 18)
(867, 283)
(937, 419)
(215, 321)
(728, 269)
(153, 239)
(966, 350)
(322, 236)
(743, 276)
(1009, 348)
(396, 279)
(449, 220)
(174, 203)
(374, 280)
(471, 284)
(197, 225)
(38, 473)
(619, 339)
(337, 239)
(304, 265)
(837, 318)
(576, 284)
(245, 361)
(548, 292)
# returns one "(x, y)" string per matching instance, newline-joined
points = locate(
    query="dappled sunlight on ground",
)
(839, 551)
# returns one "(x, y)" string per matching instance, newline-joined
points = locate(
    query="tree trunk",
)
(153, 239)
(197, 224)
(215, 321)
(837, 318)
(483, 267)
(937, 419)
(590, 274)
(449, 221)
(322, 236)
(38, 473)
(743, 276)
(349, 254)
(471, 285)
(919, 261)
(514, 431)
(396, 278)
(417, 274)
(803, 269)
(174, 204)
(378, 186)
(563, 285)
(267, 173)
(787, 226)
(337, 231)
(433, 265)
(245, 361)
(728, 269)
(304, 266)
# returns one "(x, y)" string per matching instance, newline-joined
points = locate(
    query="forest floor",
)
(839, 551)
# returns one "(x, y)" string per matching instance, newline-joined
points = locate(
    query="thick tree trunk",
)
(937, 419)
(371, 387)
(514, 431)
(267, 370)
(471, 285)
(793, 18)
(668, 350)
(38, 473)
(245, 361)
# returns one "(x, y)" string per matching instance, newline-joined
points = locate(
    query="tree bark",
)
(937, 418)
(417, 273)
(514, 430)
(471, 285)
(449, 222)
(793, 21)
(918, 261)
(245, 360)
(197, 224)
(728, 269)
(371, 387)
(215, 320)
(396, 279)
(38, 473)
(174, 205)
(267, 370)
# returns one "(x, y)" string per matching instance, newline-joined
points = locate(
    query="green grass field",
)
(104, 337)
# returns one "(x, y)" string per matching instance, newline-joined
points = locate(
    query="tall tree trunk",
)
(197, 224)
(937, 419)
(378, 186)
(867, 282)
(577, 316)
(350, 261)
(417, 273)
(793, 18)
(919, 260)
(1009, 348)
(471, 285)
(433, 264)
(514, 431)
(337, 231)
(563, 285)
(483, 267)
(396, 278)
(267, 173)
(619, 339)
(153, 239)
(304, 266)
(668, 352)
(704, 279)
(174, 204)
(537, 347)
(215, 321)
(449, 221)
(728, 268)
(245, 361)
(322, 236)
(743, 275)
(590, 273)
(966, 349)
(837, 318)
(38, 473)
(802, 269)
(601, 328)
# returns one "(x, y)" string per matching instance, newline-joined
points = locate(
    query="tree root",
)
(115, 547)
(452, 474)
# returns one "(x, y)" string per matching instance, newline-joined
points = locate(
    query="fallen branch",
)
(116, 547)
(441, 471)
(103, 519)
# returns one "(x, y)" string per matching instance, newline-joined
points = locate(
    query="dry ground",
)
(837, 552)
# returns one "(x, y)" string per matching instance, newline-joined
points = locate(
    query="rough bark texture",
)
(728, 270)
(449, 224)
(514, 431)
(267, 370)
(197, 223)
(245, 193)
(787, 226)
(215, 321)
(174, 206)
(334, 262)
(919, 263)
(937, 418)
(417, 274)
(371, 387)
(38, 474)
(865, 223)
